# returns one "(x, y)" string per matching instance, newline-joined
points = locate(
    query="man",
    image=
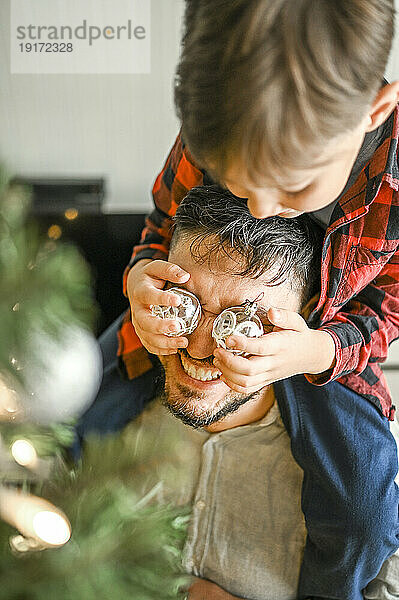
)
(247, 533)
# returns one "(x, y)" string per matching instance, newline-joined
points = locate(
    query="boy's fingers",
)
(243, 389)
(286, 319)
(160, 351)
(149, 295)
(266, 345)
(161, 342)
(239, 364)
(168, 343)
(224, 359)
(153, 325)
(166, 271)
(244, 381)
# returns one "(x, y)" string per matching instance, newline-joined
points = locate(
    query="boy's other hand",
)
(291, 348)
(145, 284)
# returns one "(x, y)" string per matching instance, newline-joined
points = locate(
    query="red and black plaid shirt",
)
(359, 299)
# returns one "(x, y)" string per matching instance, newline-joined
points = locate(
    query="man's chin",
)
(198, 414)
(198, 404)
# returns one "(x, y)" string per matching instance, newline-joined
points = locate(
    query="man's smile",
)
(197, 371)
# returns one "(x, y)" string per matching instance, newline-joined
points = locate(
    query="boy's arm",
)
(358, 335)
(178, 176)
(366, 325)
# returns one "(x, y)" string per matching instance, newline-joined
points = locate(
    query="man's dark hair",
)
(269, 83)
(216, 223)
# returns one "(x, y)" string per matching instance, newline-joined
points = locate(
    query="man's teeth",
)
(199, 372)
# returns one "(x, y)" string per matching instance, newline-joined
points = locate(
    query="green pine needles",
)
(124, 544)
(43, 284)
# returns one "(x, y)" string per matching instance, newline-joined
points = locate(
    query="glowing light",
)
(9, 405)
(41, 523)
(54, 232)
(24, 453)
(15, 363)
(71, 213)
(51, 527)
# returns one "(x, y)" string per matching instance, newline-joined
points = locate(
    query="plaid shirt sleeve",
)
(359, 300)
(363, 331)
(178, 176)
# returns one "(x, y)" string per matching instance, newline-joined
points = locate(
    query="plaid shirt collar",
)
(382, 167)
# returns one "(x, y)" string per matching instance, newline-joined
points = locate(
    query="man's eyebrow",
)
(261, 311)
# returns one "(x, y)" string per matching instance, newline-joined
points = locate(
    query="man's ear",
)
(384, 103)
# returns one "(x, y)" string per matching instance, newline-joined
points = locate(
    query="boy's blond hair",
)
(270, 82)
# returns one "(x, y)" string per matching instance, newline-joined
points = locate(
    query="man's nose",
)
(263, 205)
(201, 343)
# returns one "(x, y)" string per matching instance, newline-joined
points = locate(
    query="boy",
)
(283, 103)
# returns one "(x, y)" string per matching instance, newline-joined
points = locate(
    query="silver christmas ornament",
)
(187, 314)
(66, 381)
(237, 320)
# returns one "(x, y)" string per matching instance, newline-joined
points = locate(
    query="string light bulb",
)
(71, 214)
(24, 453)
(51, 528)
(35, 518)
(54, 232)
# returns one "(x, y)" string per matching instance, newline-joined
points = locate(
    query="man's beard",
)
(182, 402)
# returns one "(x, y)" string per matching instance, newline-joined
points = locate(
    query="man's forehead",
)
(218, 289)
(215, 272)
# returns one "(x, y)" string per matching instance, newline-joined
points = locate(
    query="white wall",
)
(119, 126)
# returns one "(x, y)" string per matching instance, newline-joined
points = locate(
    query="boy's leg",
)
(349, 497)
(118, 400)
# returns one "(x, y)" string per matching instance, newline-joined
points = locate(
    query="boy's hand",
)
(145, 284)
(291, 348)
(202, 589)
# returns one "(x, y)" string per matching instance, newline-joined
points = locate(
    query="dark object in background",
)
(106, 241)
(57, 194)
(70, 210)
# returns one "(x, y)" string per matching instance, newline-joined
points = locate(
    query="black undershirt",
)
(371, 142)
